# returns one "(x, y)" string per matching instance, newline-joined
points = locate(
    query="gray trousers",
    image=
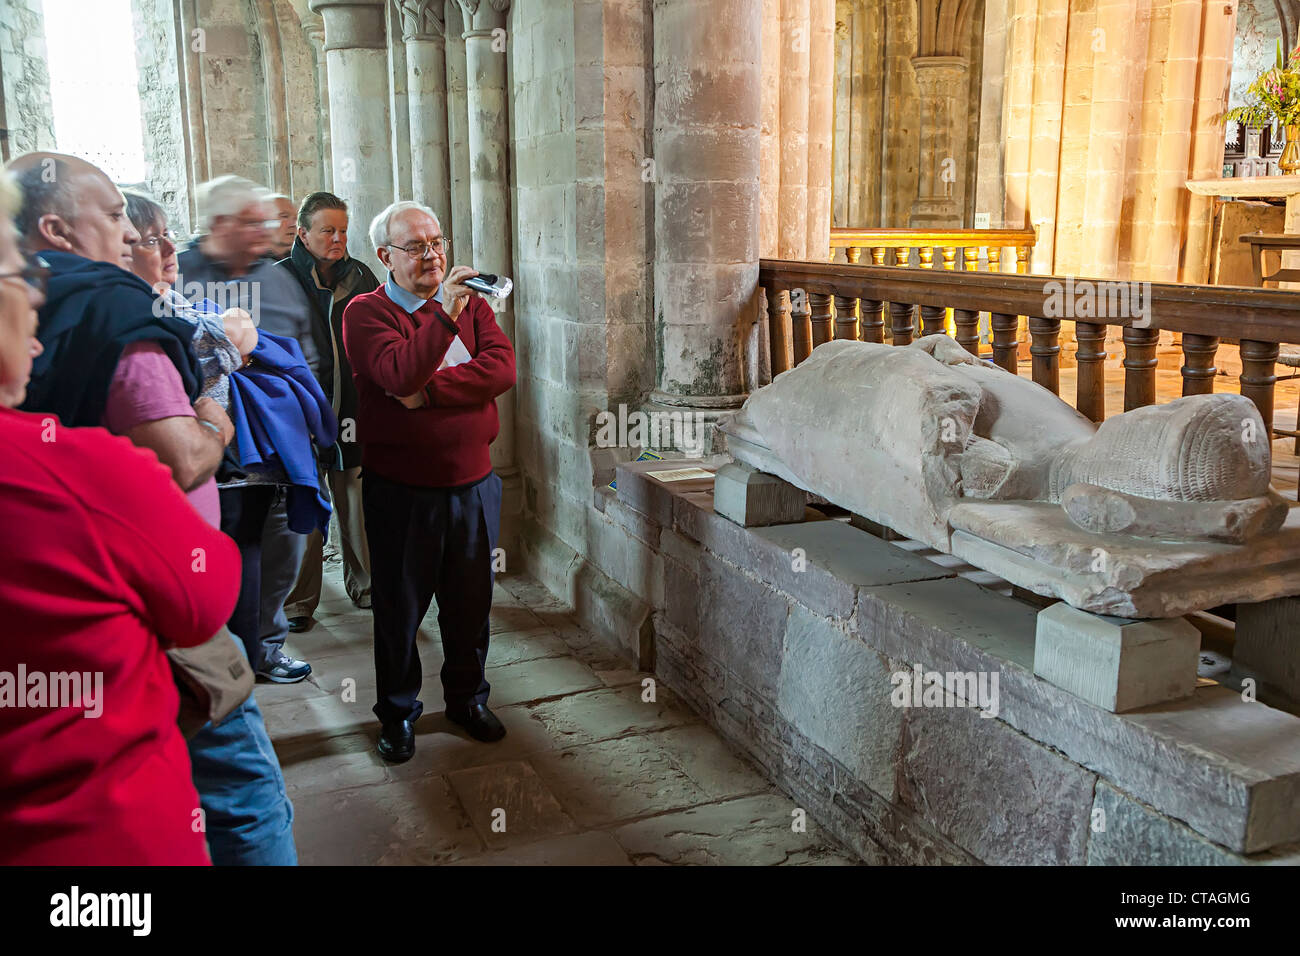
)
(345, 490)
(282, 552)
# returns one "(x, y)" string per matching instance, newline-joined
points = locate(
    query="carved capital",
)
(421, 19)
(352, 24)
(471, 7)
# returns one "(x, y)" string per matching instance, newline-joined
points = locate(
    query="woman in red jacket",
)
(103, 564)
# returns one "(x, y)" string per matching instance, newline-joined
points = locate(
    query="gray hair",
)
(225, 196)
(44, 193)
(379, 231)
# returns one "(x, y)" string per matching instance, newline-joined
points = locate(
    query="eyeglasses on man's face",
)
(36, 273)
(421, 250)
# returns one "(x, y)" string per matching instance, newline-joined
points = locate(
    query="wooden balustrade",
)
(1259, 319)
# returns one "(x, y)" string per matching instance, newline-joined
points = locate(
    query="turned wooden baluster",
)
(1258, 360)
(967, 323)
(1090, 389)
(932, 319)
(1139, 367)
(900, 322)
(950, 257)
(872, 325)
(779, 336)
(901, 255)
(801, 326)
(1045, 350)
(846, 317)
(1198, 363)
(853, 254)
(877, 255)
(820, 317)
(927, 257)
(995, 258)
(1005, 339)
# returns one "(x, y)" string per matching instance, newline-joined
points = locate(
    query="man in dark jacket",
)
(326, 279)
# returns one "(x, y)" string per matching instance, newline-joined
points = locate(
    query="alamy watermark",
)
(1085, 299)
(920, 688)
(685, 430)
(55, 690)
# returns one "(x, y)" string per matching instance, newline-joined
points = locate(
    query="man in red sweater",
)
(429, 361)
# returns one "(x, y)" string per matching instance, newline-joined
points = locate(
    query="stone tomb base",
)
(815, 648)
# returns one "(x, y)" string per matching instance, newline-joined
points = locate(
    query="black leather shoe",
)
(397, 741)
(300, 624)
(481, 723)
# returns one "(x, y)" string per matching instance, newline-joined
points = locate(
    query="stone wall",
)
(160, 109)
(787, 640)
(582, 243)
(27, 112)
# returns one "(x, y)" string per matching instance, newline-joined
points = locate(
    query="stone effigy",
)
(1159, 511)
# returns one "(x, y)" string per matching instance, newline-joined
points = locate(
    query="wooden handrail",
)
(1269, 315)
(863, 302)
(937, 238)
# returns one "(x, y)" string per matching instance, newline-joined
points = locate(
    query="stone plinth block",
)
(753, 498)
(1116, 663)
(1267, 647)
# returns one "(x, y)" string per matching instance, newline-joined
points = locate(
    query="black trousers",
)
(427, 543)
(243, 513)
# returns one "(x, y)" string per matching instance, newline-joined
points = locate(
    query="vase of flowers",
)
(1274, 96)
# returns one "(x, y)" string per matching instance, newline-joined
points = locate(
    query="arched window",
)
(95, 86)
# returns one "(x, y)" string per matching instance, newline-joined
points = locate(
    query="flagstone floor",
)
(590, 771)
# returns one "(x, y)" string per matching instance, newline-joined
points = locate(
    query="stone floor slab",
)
(594, 848)
(752, 831)
(601, 714)
(396, 823)
(508, 803)
(538, 680)
(620, 779)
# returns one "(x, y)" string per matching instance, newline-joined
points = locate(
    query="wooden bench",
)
(1261, 242)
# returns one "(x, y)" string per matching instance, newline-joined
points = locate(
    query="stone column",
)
(792, 228)
(707, 120)
(360, 132)
(941, 188)
(314, 27)
(769, 156)
(821, 124)
(488, 97)
(426, 90)
(458, 134)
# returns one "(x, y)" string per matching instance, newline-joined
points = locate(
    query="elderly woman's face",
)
(18, 304)
(154, 256)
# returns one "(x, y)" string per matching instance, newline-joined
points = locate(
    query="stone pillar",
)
(314, 27)
(488, 97)
(356, 51)
(399, 109)
(769, 156)
(821, 124)
(792, 228)
(426, 90)
(461, 223)
(941, 187)
(708, 77)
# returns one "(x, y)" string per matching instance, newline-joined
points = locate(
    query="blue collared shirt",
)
(408, 300)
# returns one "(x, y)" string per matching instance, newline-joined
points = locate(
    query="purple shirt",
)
(146, 388)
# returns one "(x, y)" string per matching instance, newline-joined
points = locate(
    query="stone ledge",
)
(1228, 768)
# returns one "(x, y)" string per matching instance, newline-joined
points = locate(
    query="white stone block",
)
(753, 498)
(1116, 663)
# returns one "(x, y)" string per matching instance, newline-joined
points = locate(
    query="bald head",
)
(71, 205)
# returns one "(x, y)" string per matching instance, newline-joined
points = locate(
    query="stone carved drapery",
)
(356, 51)
(423, 32)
